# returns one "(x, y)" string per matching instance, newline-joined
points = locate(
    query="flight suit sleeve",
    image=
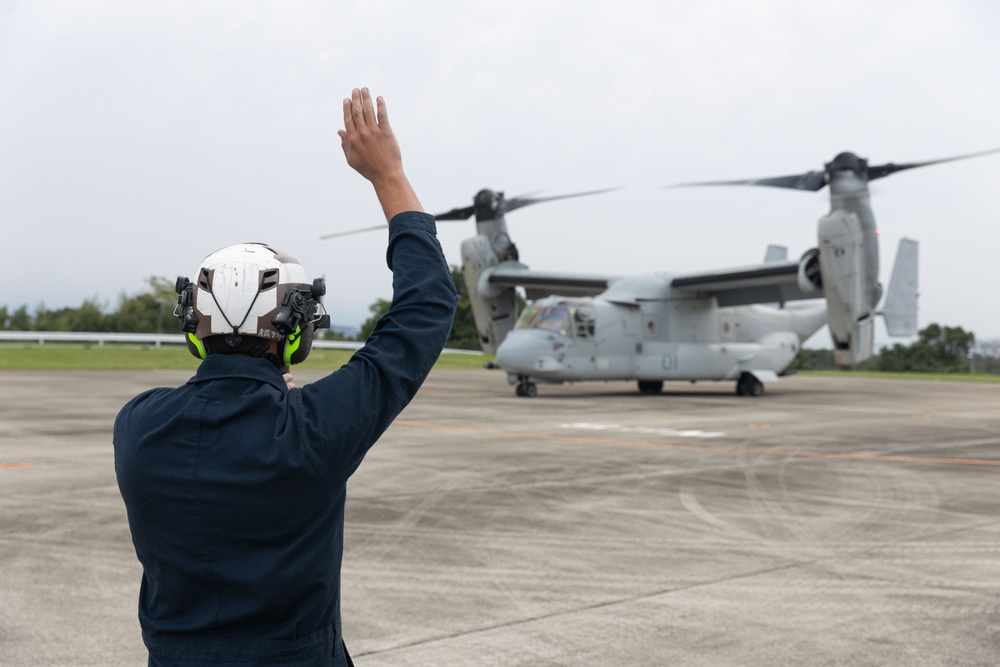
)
(341, 416)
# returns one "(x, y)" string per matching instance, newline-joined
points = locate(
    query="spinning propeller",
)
(815, 180)
(488, 205)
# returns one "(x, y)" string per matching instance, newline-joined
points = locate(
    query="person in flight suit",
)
(235, 482)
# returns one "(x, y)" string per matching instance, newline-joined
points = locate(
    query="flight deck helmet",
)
(244, 297)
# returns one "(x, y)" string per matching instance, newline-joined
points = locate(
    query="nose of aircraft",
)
(527, 352)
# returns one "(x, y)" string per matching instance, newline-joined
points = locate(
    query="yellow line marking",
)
(706, 448)
(15, 466)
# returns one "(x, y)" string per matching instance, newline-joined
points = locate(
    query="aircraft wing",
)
(763, 283)
(537, 284)
(774, 281)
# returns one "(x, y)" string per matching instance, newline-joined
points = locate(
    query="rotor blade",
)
(456, 214)
(891, 168)
(353, 231)
(519, 202)
(811, 180)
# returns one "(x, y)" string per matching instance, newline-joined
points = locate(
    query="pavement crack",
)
(587, 608)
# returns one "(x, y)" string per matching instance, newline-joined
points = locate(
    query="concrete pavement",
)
(833, 521)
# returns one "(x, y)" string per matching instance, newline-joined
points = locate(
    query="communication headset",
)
(300, 314)
(189, 318)
(297, 319)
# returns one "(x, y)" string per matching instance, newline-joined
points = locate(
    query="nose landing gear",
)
(526, 388)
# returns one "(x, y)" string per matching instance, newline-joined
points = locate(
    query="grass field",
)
(170, 357)
(952, 377)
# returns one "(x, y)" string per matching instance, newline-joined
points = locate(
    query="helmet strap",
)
(236, 328)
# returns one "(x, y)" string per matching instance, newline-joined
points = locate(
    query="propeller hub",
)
(487, 204)
(848, 162)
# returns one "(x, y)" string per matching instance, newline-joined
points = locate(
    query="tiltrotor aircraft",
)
(740, 324)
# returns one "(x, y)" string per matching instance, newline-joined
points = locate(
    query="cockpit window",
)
(553, 319)
(566, 321)
(527, 317)
(583, 318)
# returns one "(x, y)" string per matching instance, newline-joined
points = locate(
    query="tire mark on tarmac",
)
(648, 595)
(847, 456)
(987, 604)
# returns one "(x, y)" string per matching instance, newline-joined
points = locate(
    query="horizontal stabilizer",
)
(900, 308)
(775, 253)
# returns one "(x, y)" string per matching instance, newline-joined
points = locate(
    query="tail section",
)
(900, 308)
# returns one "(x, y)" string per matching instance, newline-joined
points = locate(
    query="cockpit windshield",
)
(564, 320)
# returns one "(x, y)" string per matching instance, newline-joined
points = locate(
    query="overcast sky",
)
(136, 137)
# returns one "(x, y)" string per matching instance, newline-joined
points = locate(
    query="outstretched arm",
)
(371, 149)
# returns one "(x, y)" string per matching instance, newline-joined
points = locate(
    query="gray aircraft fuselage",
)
(653, 336)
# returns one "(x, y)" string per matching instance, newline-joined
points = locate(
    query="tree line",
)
(151, 311)
(938, 349)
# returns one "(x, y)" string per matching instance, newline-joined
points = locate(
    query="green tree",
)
(330, 334)
(987, 356)
(952, 346)
(463, 334)
(809, 359)
(937, 350)
(52, 320)
(150, 311)
(20, 320)
(377, 310)
(88, 317)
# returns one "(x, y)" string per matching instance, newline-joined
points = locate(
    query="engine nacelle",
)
(494, 310)
(849, 285)
(809, 277)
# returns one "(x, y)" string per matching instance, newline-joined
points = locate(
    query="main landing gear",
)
(748, 385)
(526, 388)
(650, 386)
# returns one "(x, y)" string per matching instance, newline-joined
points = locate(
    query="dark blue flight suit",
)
(235, 486)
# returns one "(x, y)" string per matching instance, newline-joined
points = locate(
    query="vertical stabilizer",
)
(900, 308)
(775, 253)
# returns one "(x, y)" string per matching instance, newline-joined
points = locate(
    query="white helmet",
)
(247, 295)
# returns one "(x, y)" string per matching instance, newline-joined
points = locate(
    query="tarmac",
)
(833, 521)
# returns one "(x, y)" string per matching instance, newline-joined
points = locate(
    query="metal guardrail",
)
(43, 337)
(156, 340)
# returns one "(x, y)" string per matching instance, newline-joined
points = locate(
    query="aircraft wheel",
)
(650, 386)
(748, 385)
(526, 389)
